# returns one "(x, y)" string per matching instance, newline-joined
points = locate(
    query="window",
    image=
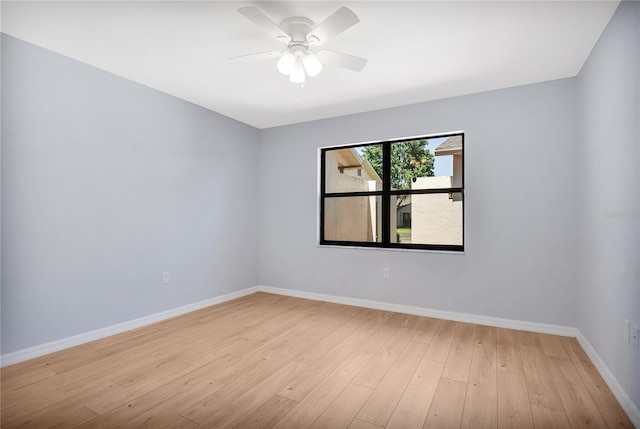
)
(406, 194)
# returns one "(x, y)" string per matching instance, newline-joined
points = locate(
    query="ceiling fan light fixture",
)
(297, 75)
(312, 64)
(287, 63)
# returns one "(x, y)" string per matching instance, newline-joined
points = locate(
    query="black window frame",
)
(385, 195)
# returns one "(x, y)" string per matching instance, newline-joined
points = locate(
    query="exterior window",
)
(406, 194)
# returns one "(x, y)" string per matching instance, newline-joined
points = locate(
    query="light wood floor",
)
(271, 361)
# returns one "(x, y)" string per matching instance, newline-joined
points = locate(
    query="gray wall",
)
(609, 288)
(105, 184)
(521, 207)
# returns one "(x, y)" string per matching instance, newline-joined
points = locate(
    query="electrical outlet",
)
(165, 277)
(385, 273)
(635, 337)
(626, 331)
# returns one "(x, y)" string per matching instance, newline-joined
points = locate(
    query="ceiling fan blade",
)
(338, 59)
(342, 19)
(257, 57)
(256, 16)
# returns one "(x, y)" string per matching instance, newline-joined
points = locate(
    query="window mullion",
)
(386, 196)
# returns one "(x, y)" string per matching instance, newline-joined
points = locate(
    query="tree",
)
(409, 159)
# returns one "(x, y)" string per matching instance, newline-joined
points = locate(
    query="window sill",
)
(391, 249)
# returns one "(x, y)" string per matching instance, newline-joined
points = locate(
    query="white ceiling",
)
(417, 50)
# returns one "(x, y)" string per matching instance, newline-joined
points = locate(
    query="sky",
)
(443, 165)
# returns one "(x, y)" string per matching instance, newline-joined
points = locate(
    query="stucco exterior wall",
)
(435, 218)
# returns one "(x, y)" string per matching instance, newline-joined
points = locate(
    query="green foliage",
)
(373, 154)
(409, 159)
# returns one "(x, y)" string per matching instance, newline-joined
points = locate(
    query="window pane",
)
(357, 169)
(427, 163)
(353, 219)
(402, 212)
(448, 162)
(410, 160)
(429, 219)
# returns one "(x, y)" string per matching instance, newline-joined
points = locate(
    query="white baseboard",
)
(544, 328)
(627, 404)
(54, 346)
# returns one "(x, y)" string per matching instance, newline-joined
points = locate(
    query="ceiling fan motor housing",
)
(298, 27)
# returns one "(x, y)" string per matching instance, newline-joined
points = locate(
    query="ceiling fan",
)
(300, 34)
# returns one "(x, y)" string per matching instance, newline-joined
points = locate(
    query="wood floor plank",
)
(412, 322)
(447, 405)
(344, 408)
(379, 337)
(156, 409)
(280, 323)
(608, 406)
(412, 410)
(146, 405)
(540, 383)
(268, 414)
(47, 366)
(509, 357)
(513, 401)
(581, 361)
(113, 366)
(67, 417)
(268, 357)
(303, 385)
(128, 344)
(282, 348)
(266, 360)
(376, 369)
(315, 403)
(75, 402)
(611, 411)
(51, 392)
(359, 424)
(480, 407)
(253, 398)
(382, 402)
(458, 361)
(344, 329)
(151, 370)
(191, 373)
(440, 344)
(62, 411)
(19, 376)
(549, 418)
(578, 404)
(426, 330)
(211, 404)
(170, 422)
(241, 347)
(225, 397)
(552, 345)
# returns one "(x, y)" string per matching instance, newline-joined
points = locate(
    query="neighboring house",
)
(453, 146)
(437, 218)
(351, 218)
(403, 219)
